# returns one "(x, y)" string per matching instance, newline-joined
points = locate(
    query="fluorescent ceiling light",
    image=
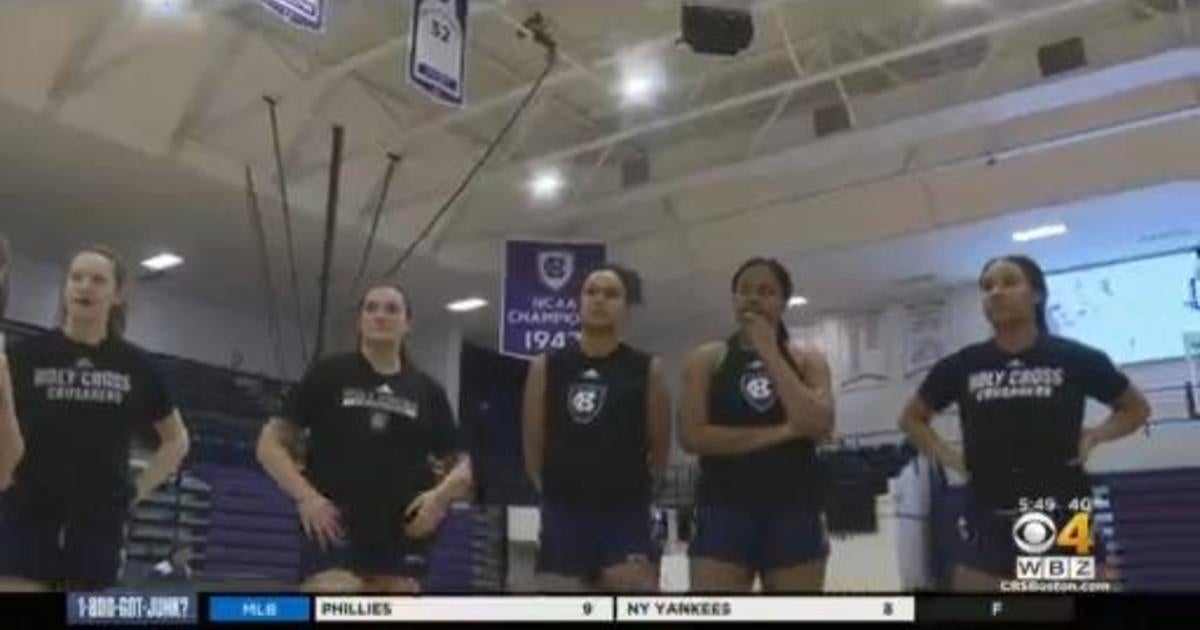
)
(546, 184)
(162, 262)
(638, 89)
(642, 77)
(165, 7)
(469, 304)
(1040, 232)
(797, 301)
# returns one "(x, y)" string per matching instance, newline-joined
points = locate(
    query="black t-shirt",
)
(1022, 414)
(742, 394)
(370, 437)
(596, 444)
(79, 407)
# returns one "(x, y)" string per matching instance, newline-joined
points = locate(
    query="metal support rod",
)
(331, 209)
(287, 226)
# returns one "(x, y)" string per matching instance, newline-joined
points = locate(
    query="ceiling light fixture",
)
(1039, 233)
(797, 301)
(546, 184)
(162, 262)
(466, 305)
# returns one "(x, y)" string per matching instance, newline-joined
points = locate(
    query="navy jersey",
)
(742, 394)
(596, 436)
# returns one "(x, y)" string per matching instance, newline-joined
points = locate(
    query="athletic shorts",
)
(761, 538)
(79, 552)
(403, 557)
(984, 539)
(583, 541)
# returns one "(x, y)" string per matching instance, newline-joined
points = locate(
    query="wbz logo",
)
(1035, 533)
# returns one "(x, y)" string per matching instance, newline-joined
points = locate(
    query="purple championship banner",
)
(542, 283)
(306, 14)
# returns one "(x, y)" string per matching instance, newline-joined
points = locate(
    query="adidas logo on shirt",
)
(1015, 363)
(591, 373)
(385, 389)
(85, 363)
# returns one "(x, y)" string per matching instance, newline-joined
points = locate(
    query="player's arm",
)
(658, 419)
(274, 452)
(1130, 412)
(533, 421)
(698, 435)
(12, 444)
(172, 448)
(915, 422)
(808, 405)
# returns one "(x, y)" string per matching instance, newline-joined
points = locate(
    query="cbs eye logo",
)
(1036, 533)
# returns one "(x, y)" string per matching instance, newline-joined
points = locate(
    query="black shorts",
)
(579, 541)
(400, 556)
(986, 542)
(80, 552)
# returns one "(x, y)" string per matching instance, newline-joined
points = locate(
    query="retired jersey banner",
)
(437, 54)
(306, 14)
(542, 283)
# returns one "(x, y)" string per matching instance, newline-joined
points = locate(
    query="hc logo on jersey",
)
(585, 400)
(555, 268)
(758, 391)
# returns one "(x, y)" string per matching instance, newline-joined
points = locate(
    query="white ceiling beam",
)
(73, 80)
(1185, 18)
(567, 109)
(838, 83)
(998, 25)
(71, 73)
(499, 100)
(207, 86)
(866, 35)
(937, 43)
(1089, 87)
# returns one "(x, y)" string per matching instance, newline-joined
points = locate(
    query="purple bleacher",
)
(1156, 517)
(254, 530)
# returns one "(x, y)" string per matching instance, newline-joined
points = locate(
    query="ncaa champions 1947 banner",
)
(542, 283)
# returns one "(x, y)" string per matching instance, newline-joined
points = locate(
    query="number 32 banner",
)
(437, 57)
(542, 283)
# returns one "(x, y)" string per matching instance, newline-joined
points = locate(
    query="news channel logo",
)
(1036, 535)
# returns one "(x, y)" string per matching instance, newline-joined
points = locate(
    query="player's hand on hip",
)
(321, 521)
(424, 514)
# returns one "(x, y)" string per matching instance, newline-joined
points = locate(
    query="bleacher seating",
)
(1155, 517)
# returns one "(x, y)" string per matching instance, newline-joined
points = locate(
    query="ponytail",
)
(785, 345)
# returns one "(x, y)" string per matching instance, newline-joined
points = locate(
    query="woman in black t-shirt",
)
(81, 393)
(12, 445)
(596, 425)
(754, 408)
(1021, 397)
(368, 499)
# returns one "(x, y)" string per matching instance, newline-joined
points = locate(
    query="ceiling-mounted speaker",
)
(717, 30)
(635, 171)
(831, 119)
(1060, 57)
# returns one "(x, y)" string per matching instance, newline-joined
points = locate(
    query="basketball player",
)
(367, 499)
(596, 424)
(12, 445)
(1021, 397)
(81, 393)
(754, 407)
